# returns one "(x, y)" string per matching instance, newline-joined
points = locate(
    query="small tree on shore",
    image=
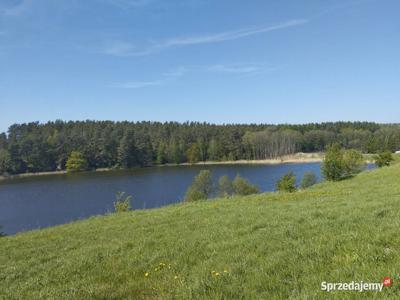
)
(308, 180)
(2, 233)
(76, 162)
(287, 183)
(201, 187)
(340, 164)
(383, 159)
(122, 202)
(243, 187)
(225, 187)
(353, 162)
(332, 166)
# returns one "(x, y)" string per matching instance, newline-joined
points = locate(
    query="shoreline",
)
(290, 159)
(295, 158)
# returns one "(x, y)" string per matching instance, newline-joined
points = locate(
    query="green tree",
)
(76, 162)
(122, 202)
(1, 232)
(339, 164)
(353, 162)
(382, 159)
(287, 183)
(201, 187)
(225, 187)
(5, 161)
(214, 150)
(333, 165)
(127, 152)
(309, 179)
(193, 153)
(161, 157)
(243, 187)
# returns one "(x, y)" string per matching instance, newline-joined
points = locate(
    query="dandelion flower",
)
(146, 274)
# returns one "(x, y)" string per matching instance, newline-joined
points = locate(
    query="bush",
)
(122, 202)
(225, 187)
(332, 166)
(243, 187)
(287, 183)
(2, 233)
(339, 164)
(76, 162)
(383, 159)
(201, 187)
(353, 162)
(308, 180)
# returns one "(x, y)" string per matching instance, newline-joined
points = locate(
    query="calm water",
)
(37, 202)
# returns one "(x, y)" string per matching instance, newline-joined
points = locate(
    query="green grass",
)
(273, 246)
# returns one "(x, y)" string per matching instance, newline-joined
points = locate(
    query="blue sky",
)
(225, 61)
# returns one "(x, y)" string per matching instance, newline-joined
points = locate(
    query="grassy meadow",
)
(266, 246)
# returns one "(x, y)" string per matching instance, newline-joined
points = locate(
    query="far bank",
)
(294, 158)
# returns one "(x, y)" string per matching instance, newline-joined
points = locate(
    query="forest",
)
(38, 147)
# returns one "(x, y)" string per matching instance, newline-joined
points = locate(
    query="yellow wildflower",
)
(146, 274)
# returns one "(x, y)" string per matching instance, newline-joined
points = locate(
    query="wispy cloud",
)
(128, 49)
(239, 69)
(236, 68)
(228, 35)
(165, 79)
(126, 4)
(17, 9)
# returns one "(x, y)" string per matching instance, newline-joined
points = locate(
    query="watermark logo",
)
(387, 282)
(360, 286)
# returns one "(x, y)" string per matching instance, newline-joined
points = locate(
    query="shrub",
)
(309, 179)
(76, 162)
(201, 187)
(339, 164)
(287, 183)
(225, 187)
(332, 166)
(243, 187)
(2, 233)
(122, 202)
(383, 159)
(353, 162)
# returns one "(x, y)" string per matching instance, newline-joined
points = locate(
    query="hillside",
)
(269, 246)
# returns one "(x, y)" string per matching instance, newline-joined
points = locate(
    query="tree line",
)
(36, 147)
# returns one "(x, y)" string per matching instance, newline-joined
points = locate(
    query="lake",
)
(42, 201)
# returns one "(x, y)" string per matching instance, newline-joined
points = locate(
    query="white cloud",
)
(241, 68)
(165, 79)
(228, 35)
(233, 69)
(120, 48)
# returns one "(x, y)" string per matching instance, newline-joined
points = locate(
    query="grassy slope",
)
(272, 245)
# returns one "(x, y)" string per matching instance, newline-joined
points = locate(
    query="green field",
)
(268, 246)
